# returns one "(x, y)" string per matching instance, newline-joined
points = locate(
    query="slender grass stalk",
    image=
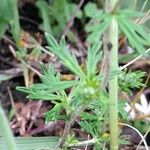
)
(15, 24)
(113, 86)
(6, 132)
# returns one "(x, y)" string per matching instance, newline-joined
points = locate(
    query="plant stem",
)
(84, 143)
(6, 132)
(113, 86)
(112, 47)
(73, 116)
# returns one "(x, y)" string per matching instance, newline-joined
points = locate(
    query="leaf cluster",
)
(82, 91)
(137, 35)
(54, 21)
(129, 80)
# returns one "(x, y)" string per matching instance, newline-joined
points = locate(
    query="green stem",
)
(6, 132)
(113, 86)
(112, 47)
(73, 116)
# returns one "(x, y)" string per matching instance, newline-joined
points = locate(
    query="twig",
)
(131, 62)
(29, 20)
(12, 102)
(72, 18)
(84, 143)
(143, 7)
(142, 137)
(13, 51)
(86, 147)
(34, 115)
(31, 68)
(13, 71)
(8, 40)
(44, 127)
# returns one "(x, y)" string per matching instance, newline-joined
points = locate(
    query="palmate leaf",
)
(68, 59)
(88, 127)
(135, 29)
(54, 113)
(49, 74)
(133, 38)
(93, 58)
(136, 34)
(97, 30)
(51, 88)
(143, 32)
(43, 95)
(130, 13)
(91, 9)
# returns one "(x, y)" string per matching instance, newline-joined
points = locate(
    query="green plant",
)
(129, 80)
(114, 19)
(84, 91)
(54, 21)
(9, 16)
(87, 91)
(6, 132)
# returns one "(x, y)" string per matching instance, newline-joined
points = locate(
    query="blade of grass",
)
(8, 139)
(32, 143)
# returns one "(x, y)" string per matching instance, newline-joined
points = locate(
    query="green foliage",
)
(44, 9)
(98, 27)
(129, 80)
(32, 143)
(142, 126)
(94, 53)
(136, 34)
(51, 83)
(56, 15)
(9, 15)
(54, 114)
(6, 132)
(83, 93)
(83, 90)
(121, 110)
(93, 121)
(67, 59)
(91, 9)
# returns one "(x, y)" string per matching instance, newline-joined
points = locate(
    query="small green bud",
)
(89, 92)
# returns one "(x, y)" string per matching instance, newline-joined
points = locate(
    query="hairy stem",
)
(112, 47)
(113, 86)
